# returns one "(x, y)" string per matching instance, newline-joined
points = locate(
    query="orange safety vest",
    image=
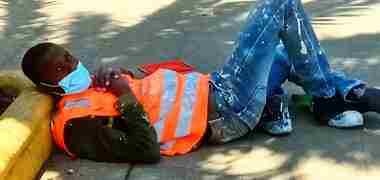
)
(88, 103)
(176, 105)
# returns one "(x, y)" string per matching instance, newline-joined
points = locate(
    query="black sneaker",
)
(276, 119)
(335, 113)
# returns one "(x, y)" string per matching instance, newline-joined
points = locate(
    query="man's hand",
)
(106, 74)
(118, 86)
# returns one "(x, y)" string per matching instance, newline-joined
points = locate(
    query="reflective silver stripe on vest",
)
(159, 127)
(187, 105)
(167, 145)
(77, 103)
(167, 99)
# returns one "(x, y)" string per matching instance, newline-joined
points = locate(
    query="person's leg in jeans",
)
(276, 119)
(353, 95)
(310, 69)
(241, 84)
(315, 73)
(334, 111)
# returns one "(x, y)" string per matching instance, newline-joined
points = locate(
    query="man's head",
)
(52, 68)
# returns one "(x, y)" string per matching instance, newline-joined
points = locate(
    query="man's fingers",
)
(100, 77)
(125, 71)
(103, 77)
(116, 73)
(108, 76)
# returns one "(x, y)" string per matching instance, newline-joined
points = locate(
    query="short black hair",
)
(37, 56)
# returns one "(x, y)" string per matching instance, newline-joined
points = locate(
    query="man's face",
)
(56, 69)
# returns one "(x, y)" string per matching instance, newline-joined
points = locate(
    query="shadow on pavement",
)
(23, 25)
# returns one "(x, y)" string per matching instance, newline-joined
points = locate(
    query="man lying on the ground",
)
(170, 113)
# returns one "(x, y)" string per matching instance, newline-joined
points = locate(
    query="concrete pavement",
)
(203, 32)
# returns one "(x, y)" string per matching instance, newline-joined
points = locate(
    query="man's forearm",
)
(141, 135)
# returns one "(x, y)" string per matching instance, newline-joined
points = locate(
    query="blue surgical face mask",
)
(77, 81)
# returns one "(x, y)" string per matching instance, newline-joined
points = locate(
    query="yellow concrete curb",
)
(25, 141)
(14, 81)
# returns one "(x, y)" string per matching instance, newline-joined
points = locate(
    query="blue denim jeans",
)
(277, 44)
(282, 70)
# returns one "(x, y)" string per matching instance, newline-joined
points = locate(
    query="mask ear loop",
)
(52, 86)
(57, 93)
(49, 85)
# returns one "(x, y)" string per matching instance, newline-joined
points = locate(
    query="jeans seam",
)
(262, 32)
(256, 42)
(313, 48)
